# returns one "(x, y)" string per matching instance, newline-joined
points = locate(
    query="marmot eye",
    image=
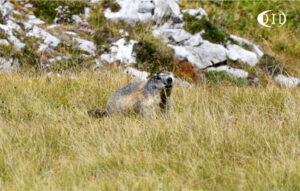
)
(158, 78)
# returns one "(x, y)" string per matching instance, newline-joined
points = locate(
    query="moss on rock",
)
(213, 33)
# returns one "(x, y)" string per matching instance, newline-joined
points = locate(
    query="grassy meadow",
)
(220, 134)
(216, 137)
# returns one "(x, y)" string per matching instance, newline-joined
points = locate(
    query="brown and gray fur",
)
(145, 97)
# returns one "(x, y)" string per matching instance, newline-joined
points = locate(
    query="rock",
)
(188, 54)
(123, 32)
(173, 36)
(4, 42)
(98, 64)
(87, 46)
(121, 51)
(77, 19)
(289, 82)
(237, 53)
(8, 29)
(182, 82)
(256, 49)
(70, 33)
(95, 1)
(207, 54)
(10, 26)
(239, 73)
(48, 39)
(106, 58)
(6, 9)
(140, 75)
(195, 40)
(128, 13)
(166, 9)
(147, 6)
(133, 11)
(8, 64)
(87, 12)
(211, 53)
(42, 47)
(34, 21)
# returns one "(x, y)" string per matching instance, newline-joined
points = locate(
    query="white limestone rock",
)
(121, 51)
(256, 49)
(166, 9)
(8, 64)
(172, 35)
(187, 53)
(140, 75)
(34, 21)
(237, 53)
(4, 42)
(48, 39)
(133, 11)
(8, 29)
(43, 47)
(87, 46)
(207, 54)
(289, 82)
(239, 73)
(95, 1)
(6, 9)
(182, 82)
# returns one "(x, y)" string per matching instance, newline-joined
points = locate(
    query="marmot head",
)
(159, 82)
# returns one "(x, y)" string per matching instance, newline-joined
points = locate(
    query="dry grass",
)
(215, 138)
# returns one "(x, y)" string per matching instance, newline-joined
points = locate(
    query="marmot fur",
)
(145, 97)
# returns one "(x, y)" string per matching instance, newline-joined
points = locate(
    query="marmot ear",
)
(148, 76)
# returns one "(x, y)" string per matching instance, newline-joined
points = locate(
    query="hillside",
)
(234, 124)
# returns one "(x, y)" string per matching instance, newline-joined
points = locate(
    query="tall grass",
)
(216, 137)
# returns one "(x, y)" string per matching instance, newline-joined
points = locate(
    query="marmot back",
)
(146, 97)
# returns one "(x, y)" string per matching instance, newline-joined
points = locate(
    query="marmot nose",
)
(169, 80)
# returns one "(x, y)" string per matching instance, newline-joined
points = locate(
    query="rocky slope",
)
(27, 37)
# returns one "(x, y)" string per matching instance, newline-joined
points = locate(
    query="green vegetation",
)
(3, 35)
(212, 33)
(5, 50)
(114, 7)
(46, 10)
(218, 78)
(215, 137)
(152, 58)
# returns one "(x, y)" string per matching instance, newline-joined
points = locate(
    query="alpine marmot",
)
(145, 97)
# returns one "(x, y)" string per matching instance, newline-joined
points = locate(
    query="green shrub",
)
(45, 10)
(152, 58)
(212, 33)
